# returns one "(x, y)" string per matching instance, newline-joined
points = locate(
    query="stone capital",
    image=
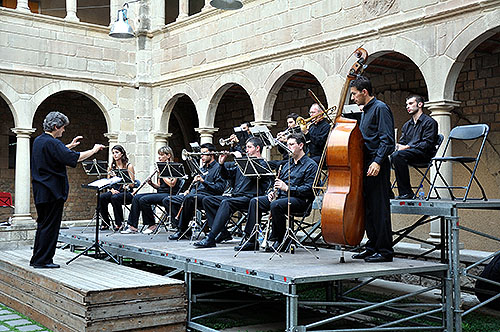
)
(204, 131)
(111, 136)
(267, 123)
(23, 132)
(158, 136)
(443, 107)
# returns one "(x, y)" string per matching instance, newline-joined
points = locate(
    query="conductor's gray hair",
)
(56, 119)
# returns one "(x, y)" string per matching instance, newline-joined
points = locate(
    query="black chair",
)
(477, 132)
(299, 223)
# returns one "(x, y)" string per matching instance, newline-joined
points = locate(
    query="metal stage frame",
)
(448, 213)
(284, 275)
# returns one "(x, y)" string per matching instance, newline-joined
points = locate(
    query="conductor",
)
(50, 184)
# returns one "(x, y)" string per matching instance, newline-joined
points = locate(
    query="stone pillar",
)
(157, 12)
(161, 139)
(71, 11)
(112, 141)
(207, 6)
(441, 112)
(267, 151)
(183, 10)
(206, 134)
(22, 214)
(22, 6)
(114, 6)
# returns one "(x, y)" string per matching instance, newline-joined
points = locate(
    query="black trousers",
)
(144, 203)
(188, 209)
(279, 212)
(400, 160)
(378, 210)
(116, 201)
(47, 232)
(219, 209)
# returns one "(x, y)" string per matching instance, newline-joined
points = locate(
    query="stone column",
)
(71, 11)
(267, 151)
(183, 10)
(441, 112)
(206, 134)
(22, 213)
(157, 12)
(207, 6)
(161, 139)
(112, 141)
(22, 6)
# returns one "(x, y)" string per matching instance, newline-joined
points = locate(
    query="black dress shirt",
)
(49, 159)
(317, 136)
(243, 185)
(377, 128)
(302, 176)
(421, 135)
(213, 183)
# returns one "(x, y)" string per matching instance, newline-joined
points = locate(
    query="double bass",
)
(342, 212)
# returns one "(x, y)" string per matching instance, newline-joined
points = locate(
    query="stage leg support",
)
(292, 312)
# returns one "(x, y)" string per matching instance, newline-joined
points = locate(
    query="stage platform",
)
(281, 274)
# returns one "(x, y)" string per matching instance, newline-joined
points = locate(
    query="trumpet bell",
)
(185, 154)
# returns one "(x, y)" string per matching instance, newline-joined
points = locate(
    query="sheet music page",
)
(104, 182)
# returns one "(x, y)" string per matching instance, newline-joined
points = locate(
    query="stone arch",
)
(11, 97)
(464, 44)
(281, 73)
(100, 99)
(219, 87)
(167, 103)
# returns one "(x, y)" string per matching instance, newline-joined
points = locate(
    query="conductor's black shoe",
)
(179, 235)
(249, 246)
(205, 243)
(363, 254)
(405, 196)
(378, 258)
(223, 236)
(47, 266)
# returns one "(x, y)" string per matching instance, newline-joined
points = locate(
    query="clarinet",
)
(275, 193)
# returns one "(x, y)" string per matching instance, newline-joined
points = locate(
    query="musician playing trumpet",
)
(143, 202)
(282, 137)
(202, 186)
(316, 133)
(294, 186)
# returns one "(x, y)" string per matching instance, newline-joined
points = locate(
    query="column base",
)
(72, 18)
(23, 9)
(22, 220)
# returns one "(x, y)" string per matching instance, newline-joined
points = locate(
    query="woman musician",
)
(118, 194)
(143, 202)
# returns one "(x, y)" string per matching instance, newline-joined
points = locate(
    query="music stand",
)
(253, 167)
(98, 185)
(126, 180)
(264, 134)
(174, 171)
(195, 170)
(95, 168)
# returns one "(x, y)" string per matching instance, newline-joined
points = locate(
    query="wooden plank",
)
(170, 291)
(125, 309)
(167, 328)
(138, 322)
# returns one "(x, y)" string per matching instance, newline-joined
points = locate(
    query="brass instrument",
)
(227, 141)
(185, 154)
(306, 123)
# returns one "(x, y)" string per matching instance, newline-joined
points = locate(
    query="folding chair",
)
(477, 132)
(164, 215)
(423, 165)
(298, 223)
(5, 201)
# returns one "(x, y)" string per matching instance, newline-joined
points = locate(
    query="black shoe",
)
(205, 243)
(363, 254)
(47, 266)
(179, 235)
(405, 196)
(223, 236)
(249, 246)
(378, 258)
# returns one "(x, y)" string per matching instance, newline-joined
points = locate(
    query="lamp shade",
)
(121, 28)
(226, 4)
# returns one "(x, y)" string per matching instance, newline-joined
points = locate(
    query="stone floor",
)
(11, 320)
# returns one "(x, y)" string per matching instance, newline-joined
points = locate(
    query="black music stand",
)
(253, 167)
(171, 170)
(95, 168)
(195, 170)
(126, 180)
(98, 185)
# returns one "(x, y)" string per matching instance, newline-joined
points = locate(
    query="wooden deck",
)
(91, 295)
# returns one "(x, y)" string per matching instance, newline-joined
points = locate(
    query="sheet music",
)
(105, 182)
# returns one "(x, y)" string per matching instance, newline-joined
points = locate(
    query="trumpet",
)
(306, 123)
(185, 154)
(226, 141)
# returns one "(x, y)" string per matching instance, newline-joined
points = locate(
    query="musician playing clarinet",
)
(293, 185)
(202, 186)
(143, 202)
(220, 208)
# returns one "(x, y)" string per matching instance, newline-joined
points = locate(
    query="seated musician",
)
(417, 144)
(118, 194)
(143, 202)
(297, 179)
(220, 208)
(239, 138)
(282, 137)
(317, 133)
(202, 186)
